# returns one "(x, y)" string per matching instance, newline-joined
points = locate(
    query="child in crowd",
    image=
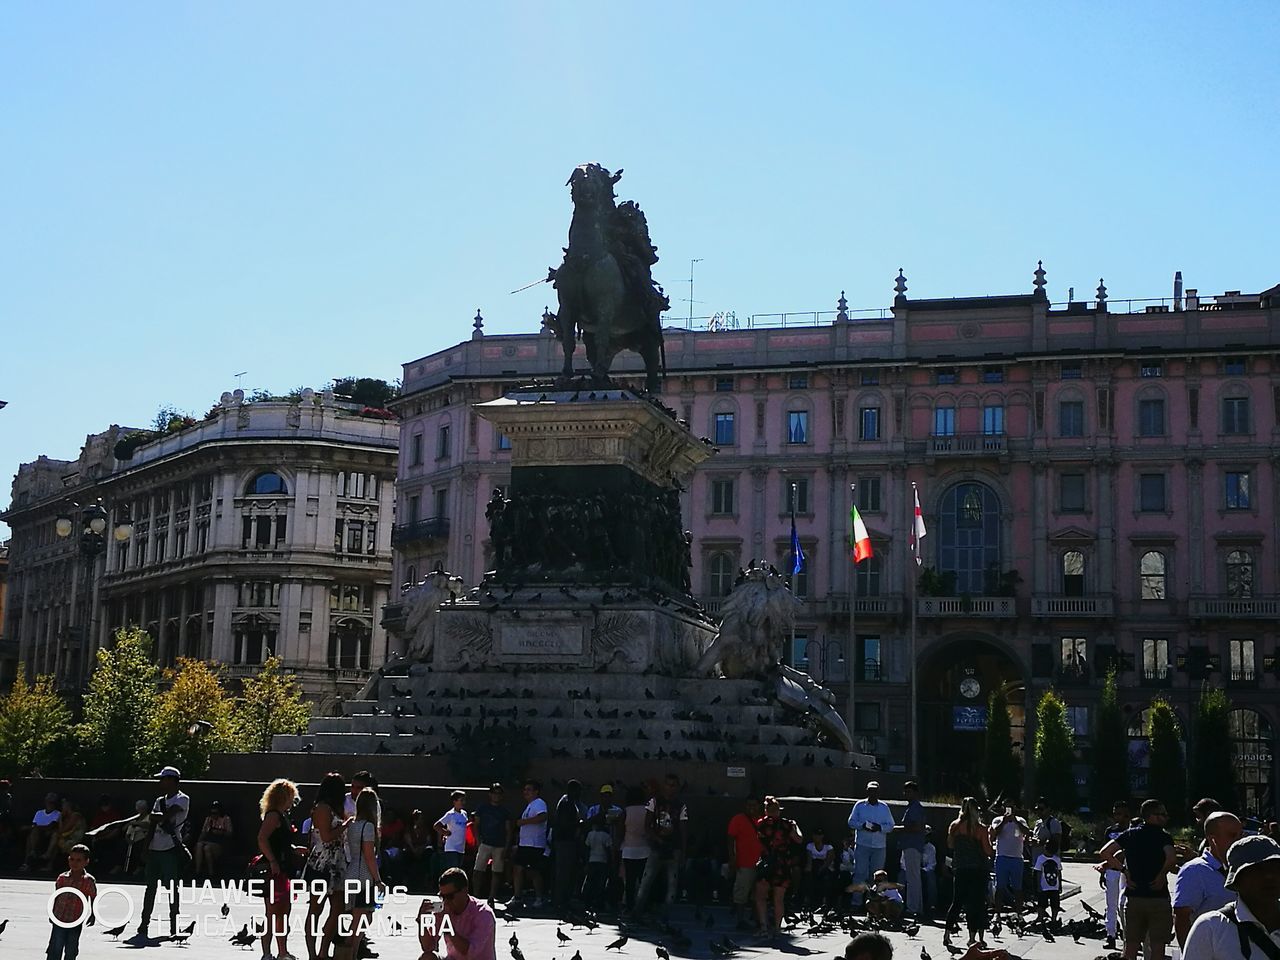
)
(1048, 868)
(846, 863)
(821, 868)
(599, 853)
(883, 896)
(64, 941)
(452, 829)
(929, 873)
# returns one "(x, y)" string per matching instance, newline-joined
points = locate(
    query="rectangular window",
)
(869, 494)
(993, 375)
(724, 384)
(724, 429)
(1070, 370)
(796, 499)
(1155, 658)
(800, 652)
(993, 420)
(504, 442)
(1235, 415)
(1151, 418)
(722, 496)
(867, 574)
(1151, 492)
(1234, 367)
(355, 536)
(1071, 418)
(1078, 720)
(414, 509)
(1238, 490)
(944, 421)
(282, 530)
(371, 538)
(1071, 493)
(869, 423)
(415, 450)
(180, 543)
(1151, 368)
(946, 375)
(869, 658)
(1242, 660)
(442, 500)
(867, 718)
(798, 426)
(443, 448)
(798, 381)
(1074, 662)
(202, 537)
(262, 533)
(870, 378)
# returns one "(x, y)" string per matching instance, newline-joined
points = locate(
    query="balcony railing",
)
(889, 605)
(1248, 608)
(968, 445)
(432, 528)
(1048, 606)
(1000, 607)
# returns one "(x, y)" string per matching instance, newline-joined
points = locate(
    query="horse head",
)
(593, 184)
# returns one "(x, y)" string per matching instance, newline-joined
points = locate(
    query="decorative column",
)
(1039, 507)
(1195, 524)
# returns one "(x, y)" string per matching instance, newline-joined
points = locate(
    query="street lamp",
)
(93, 543)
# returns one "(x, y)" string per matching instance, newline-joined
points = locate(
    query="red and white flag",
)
(917, 530)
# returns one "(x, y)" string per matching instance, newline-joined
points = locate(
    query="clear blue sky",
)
(302, 190)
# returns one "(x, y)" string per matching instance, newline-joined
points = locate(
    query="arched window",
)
(1240, 574)
(1073, 574)
(1151, 571)
(969, 538)
(721, 574)
(266, 483)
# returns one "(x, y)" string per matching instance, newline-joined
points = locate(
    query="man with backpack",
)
(168, 858)
(1248, 929)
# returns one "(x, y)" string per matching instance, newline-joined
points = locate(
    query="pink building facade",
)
(1099, 488)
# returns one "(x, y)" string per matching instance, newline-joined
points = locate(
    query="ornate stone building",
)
(265, 528)
(1098, 479)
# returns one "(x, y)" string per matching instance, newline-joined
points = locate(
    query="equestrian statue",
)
(605, 286)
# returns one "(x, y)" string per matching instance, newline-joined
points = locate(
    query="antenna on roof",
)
(239, 376)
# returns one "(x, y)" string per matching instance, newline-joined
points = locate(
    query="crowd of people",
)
(631, 853)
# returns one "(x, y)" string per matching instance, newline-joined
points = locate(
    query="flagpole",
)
(794, 543)
(915, 706)
(851, 591)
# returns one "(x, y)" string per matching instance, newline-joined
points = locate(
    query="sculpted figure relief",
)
(421, 603)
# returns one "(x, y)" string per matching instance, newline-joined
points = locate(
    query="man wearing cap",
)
(872, 822)
(1200, 885)
(165, 863)
(1146, 856)
(1248, 929)
(612, 814)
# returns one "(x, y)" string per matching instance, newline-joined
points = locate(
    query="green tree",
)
(270, 703)
(1213, 774)
(36, 733)
(193, 718)
(1001, 770)
(1110, 750)
(1055, 753)
(1166, 772)
(119, 704)
(369, 391)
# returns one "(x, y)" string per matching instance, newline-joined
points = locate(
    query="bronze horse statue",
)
(605, 287)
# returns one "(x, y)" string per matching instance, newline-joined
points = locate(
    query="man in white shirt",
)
(531, 842)
(1249, 929)
(1200, 885)
(167, 856)
(42, 828)
(872, 822)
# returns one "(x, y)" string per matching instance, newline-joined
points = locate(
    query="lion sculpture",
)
(758, 614)
(421, 604)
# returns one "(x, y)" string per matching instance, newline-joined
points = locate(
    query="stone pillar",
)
(1195, 526)
(1104, 473)
(465, 553)
(759, 514)
(162, 642)
(290, 645)
(837, 485)
(1039, 508)
(221, 647)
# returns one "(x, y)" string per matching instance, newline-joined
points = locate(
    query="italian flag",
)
(860, 540)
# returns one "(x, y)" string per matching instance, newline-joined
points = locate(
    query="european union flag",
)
(797, 553)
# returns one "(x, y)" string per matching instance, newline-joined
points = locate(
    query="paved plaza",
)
(23, 904)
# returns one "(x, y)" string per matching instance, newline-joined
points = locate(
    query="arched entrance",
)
(957, 677)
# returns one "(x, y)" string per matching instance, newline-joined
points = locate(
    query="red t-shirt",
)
(746, 841)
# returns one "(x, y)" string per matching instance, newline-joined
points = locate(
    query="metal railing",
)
(1235, 607)
(968, 444)
(431, 528)
(999, 607)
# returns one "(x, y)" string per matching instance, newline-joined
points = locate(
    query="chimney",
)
(1193, 299)
(1177, 291)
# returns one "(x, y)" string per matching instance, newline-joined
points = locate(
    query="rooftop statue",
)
(605, 285)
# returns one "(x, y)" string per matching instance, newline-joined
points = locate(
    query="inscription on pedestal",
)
(547, 639)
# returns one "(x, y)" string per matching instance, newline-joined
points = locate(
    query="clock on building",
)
(970, 687)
